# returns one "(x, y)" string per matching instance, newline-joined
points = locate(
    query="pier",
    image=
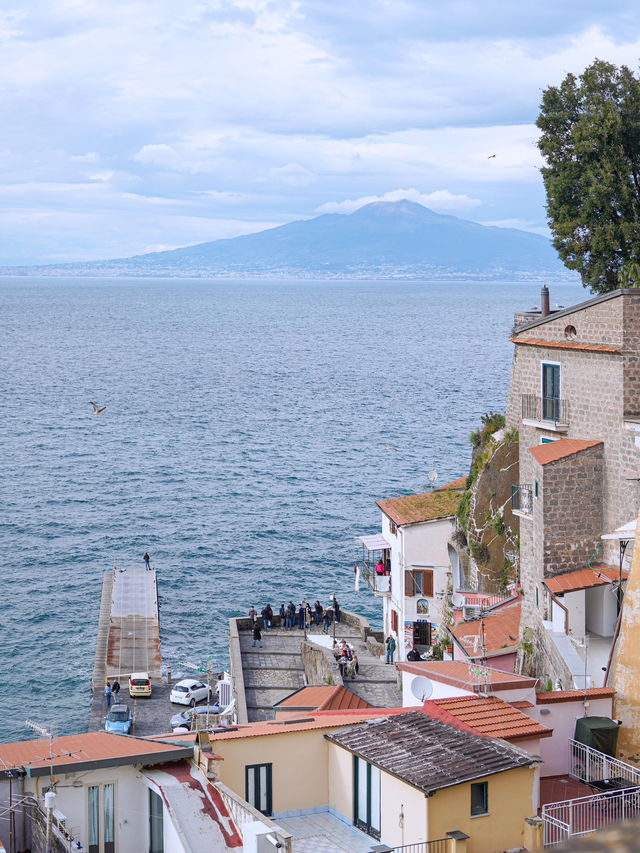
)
(129, 641)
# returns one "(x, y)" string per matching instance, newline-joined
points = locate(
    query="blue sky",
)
(149, 124)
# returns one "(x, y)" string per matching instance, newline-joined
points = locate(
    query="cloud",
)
(441, 201)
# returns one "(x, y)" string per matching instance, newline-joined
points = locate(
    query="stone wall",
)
(319, 665)
(631, 406)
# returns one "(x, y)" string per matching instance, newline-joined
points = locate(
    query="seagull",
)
(96, 409)
(559, 307)
(491, 157)
(388, 446)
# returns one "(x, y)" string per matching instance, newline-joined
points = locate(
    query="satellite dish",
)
(458, 600)
(422, 688)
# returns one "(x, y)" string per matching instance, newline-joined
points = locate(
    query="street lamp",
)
(304, 604)
(335, 615)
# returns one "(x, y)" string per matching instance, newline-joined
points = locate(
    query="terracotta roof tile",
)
(458, 673)
(492, 716)
(457, 485)
(413, 509)
(321, 698)
(305, 723)
(572, 695)
(583, 579)
(71, 750)
(555, 450)
(428, 753)
(532, 342)
(501, 629)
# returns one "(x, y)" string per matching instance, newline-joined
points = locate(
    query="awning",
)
(623, 533)
(375, 542)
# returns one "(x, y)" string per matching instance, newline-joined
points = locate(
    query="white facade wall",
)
(602, 610)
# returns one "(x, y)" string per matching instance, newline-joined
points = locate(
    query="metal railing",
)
(440, 845)
(545, 409)
(243, 813)
(522, 498)
(587, 814)
(377, 583)
(589, 765)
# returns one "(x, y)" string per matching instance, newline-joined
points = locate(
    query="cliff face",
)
(491, 531)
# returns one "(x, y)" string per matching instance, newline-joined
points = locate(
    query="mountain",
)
(380, 240)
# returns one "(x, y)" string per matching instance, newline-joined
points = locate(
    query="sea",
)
(250, 426)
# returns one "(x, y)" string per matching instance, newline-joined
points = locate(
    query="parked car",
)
(189, 691)
(184, 720)
(139, 684)
(118, 719)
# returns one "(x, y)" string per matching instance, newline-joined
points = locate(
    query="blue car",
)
(118, 720)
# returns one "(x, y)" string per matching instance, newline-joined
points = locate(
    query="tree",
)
(591, 145)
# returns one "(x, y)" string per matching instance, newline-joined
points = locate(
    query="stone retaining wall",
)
(235, 665)
(319, 665)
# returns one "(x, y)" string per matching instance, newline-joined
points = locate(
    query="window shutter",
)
(427, 584)
(408, 584)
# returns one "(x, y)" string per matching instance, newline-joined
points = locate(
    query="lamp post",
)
(335, 613)
(304, 604)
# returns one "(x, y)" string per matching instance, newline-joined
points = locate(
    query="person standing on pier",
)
(291, 613)
(301, 615)
(267, 616)
(390, 643)
(327, 620)
(257, 636)
(282, 613)
(318, 612)
(107, 693)
(252, 616)
(147, 560)
(115, 691)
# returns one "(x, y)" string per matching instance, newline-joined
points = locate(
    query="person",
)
(282, 613)
(336, 609)
(390, 643)
(318, 612)
(115, 691)
(308, 616)
(252, 616)
(380, 567)
(301, 616)
(292, 615)
(257, 636)
(147, 561)
(413, 655)
(327, 620)
(267, 615)
(107, 693)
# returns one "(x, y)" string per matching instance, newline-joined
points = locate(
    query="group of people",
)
(112, 692)
(346, 658)
(304, 615)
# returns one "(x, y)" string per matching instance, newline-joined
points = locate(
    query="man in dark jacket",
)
(257, 636)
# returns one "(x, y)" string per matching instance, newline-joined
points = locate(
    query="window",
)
(418, 582)
(258, 786)
(392, 528)
(551, 392)
(101, 818)
(421, 633)
(536, 489)
(366, 796)
(479, 798)
(394, 621)
(156, 829)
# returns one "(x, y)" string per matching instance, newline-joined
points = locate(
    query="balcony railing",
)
(522, 499)
(543, 409)
(378, 583)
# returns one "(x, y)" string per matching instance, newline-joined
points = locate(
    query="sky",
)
(137, 126)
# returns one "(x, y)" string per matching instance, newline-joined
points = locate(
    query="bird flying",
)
(388, 446)
(96, 409)
(491, 157)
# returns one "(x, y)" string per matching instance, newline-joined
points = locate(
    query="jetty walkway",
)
(264, 677)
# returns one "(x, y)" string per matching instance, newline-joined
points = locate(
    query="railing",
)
(522, 498)
(377, 583)
(589, 765)
(545, 409)
(587, 814)
(440, 845)
(243, 813)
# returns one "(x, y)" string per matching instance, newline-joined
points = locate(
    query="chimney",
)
(544, 300)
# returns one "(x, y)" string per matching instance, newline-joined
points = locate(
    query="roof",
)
(501, 630)
(624, 532)
(561, 449)
(571, 695)
(583, 579)
(565, 312)
(309, 722)
(458, 673)
(427, 753)
(414, 509)
(492, 716)
(374, 542)
(82, 752)
(532, 342)
(460, 483)
(321, 698)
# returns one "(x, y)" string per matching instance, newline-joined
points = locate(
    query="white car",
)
(189, 691)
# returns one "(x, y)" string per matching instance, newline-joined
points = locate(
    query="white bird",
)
(96, 409)
(388, 446)
(559, 307)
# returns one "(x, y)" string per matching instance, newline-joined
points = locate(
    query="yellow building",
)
(400, 779)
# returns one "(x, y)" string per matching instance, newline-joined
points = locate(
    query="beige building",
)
(399, 779)
(575, 399)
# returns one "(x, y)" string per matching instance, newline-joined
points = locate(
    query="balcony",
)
(545, 412)
(522, 500)
(375, 551)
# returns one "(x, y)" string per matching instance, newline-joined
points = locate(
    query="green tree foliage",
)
(591, 145)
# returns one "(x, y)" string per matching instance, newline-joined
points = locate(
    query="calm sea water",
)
(242, 446)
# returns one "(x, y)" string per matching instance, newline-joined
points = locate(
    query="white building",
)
(413, 548)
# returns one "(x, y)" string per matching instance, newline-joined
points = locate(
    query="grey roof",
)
(580, 306)
(428, 753)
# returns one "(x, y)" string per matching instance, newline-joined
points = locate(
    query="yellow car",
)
(139, 684)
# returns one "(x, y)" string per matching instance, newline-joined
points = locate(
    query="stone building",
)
(575, 399)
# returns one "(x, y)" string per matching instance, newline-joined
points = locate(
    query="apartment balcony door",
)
(551, 392)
